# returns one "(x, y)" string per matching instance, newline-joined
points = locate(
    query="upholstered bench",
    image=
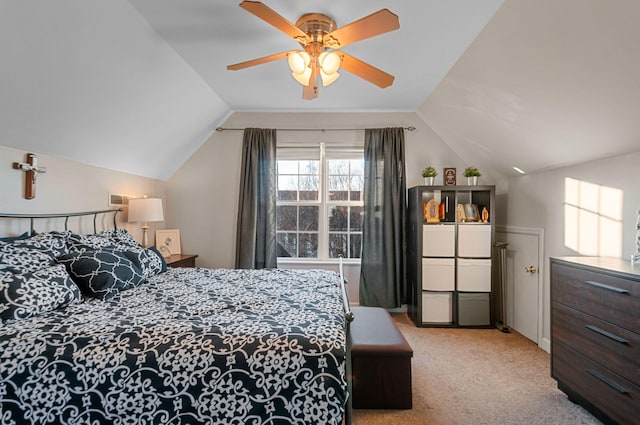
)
(381, 361)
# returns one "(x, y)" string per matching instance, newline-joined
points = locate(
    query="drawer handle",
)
(607, 287)
(604, 379)
(602, 332)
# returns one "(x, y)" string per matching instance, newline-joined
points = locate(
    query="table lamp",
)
(144, 210)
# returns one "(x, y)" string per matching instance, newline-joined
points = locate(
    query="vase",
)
(428, 181)
(472, 181)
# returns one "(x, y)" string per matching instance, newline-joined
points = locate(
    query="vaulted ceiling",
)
(139, 85)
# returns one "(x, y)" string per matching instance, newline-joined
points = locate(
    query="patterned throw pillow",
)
(102, 273)
(52, 243)
(24, 295)
(119, 239)
(149, 260)
(16, 258)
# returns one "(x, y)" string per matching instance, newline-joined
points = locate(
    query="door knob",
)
(531, 269)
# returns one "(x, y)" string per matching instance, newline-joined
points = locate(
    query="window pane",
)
(287, 243)
(338, 245)
(355, 245)
(357, 183)
(287, 167)
(338, 218)
(287, 188)
(308, 247)
(309, 217)
(286, 217)
(338, 188)
(355, 222)
(357, 167)
(309, 167)
(338, 166)
(309, 187)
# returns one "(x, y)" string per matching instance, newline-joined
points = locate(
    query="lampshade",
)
(299, 65)
(328, 78)
(329, 62)
(298, 61)
(304, 77)
(145, 209)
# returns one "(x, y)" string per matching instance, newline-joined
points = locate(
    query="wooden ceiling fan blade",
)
(272, 17)
(366, 71)
(258, 61)
(377, 23)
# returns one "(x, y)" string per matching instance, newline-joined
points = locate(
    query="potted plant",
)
(472, 174)
(429, 174)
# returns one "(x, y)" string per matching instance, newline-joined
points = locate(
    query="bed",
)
(95, 329)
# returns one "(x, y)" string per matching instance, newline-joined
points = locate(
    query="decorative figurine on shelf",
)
(431, 211)
(635, 258)
(460, 214)
(485, 215)
(449, 176)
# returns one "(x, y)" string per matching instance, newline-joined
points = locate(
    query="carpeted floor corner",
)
(476, 377)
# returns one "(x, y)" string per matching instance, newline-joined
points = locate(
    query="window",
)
(319, 206)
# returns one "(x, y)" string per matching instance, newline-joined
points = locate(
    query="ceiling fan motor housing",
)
(316, 26)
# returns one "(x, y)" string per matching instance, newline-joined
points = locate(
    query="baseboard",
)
(545, 344)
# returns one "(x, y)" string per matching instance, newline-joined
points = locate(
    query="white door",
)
(524, 280)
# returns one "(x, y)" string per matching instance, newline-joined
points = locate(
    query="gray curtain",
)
(383, 262)
(256, 232)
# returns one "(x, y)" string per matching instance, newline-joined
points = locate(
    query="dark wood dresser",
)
(595, 335)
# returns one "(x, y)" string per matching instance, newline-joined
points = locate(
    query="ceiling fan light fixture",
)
(329, 62)
(299, 62)
(318, 35)
(328, 78)
(303, 77)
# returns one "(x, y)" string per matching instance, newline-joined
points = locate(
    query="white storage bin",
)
(437, 307)
(474, 240)
(438, 240)
(438, 274)
(473, 309)
(473, 275)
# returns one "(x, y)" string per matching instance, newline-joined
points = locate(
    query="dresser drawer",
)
(607, 297)
(616, 348)
(613, 395)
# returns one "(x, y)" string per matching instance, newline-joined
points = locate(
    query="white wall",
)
(537, 201)
(67, 186)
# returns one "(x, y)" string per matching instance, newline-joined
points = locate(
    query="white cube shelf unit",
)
(449, 258)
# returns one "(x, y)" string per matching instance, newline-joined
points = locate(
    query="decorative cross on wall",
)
(31, 169)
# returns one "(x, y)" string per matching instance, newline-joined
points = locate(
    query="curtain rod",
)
(221, 129)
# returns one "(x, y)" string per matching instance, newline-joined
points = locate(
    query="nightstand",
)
(181, 260)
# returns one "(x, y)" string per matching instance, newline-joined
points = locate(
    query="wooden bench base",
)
(381, 361)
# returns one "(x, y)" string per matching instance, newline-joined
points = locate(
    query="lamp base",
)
(145, 240)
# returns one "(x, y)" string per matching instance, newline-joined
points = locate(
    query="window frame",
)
(323, 154)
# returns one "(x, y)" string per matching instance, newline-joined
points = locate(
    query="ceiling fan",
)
(320, 39)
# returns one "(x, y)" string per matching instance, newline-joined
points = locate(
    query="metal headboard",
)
(66, 216)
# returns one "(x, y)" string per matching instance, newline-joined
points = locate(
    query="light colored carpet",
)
(478, 376)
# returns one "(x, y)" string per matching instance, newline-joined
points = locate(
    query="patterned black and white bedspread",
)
(190, 346)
